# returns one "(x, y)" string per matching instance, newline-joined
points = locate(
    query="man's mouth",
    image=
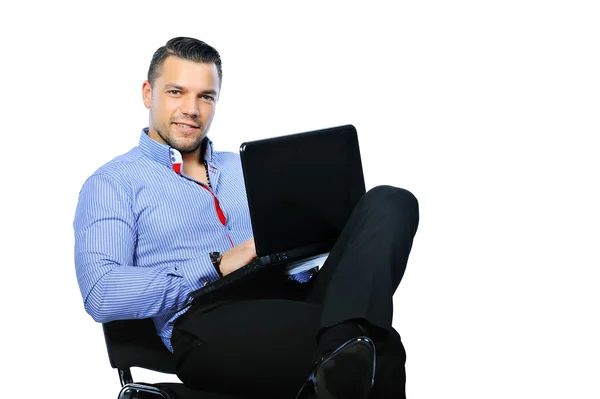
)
(186, 125)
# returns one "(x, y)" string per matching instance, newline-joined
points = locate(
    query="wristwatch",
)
(215, 258)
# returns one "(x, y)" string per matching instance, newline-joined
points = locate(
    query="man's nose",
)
(190, 106)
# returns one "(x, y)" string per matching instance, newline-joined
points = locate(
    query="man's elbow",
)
(95, 309)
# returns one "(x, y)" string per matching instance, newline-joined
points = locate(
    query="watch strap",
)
(215, 258)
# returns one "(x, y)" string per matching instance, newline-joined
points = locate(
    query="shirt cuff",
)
(198, 272)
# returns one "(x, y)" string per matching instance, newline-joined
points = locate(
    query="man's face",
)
(182, 103)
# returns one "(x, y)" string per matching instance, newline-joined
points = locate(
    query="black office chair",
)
(134, 343)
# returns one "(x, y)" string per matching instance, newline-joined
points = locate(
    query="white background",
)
(486, 111)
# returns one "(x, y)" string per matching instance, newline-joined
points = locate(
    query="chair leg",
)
(125, 376)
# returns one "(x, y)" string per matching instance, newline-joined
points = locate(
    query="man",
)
(147, 222)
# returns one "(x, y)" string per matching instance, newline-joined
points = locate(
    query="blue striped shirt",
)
(143, 232)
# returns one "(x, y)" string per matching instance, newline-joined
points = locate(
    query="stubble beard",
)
(183, 145)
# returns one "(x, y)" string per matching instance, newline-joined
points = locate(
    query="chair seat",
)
(135, 343)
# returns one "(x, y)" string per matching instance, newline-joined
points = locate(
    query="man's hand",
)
(238, 256)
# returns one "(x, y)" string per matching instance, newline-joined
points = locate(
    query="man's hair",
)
(186, 48)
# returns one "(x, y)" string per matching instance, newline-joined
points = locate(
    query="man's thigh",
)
(260, 347)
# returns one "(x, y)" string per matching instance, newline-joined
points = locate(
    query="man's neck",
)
(193, 166)
(192, 160)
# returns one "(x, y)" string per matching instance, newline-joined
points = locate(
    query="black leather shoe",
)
(346, 373)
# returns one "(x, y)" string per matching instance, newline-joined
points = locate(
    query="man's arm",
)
(105, 242)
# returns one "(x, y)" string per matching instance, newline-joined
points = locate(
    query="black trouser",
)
(259, 342)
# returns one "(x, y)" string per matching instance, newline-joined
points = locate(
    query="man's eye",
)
(174, 92)
(208, 98)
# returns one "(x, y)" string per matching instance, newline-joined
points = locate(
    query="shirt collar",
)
(167, 155)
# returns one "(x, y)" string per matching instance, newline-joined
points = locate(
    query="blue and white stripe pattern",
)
(143, 233)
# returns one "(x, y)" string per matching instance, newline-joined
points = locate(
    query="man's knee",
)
(390, 199)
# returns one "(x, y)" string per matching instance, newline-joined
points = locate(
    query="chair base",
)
(139, 390)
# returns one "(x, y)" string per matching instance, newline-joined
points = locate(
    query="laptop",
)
(301, 190)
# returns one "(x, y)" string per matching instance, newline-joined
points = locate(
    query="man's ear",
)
(147, 94)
